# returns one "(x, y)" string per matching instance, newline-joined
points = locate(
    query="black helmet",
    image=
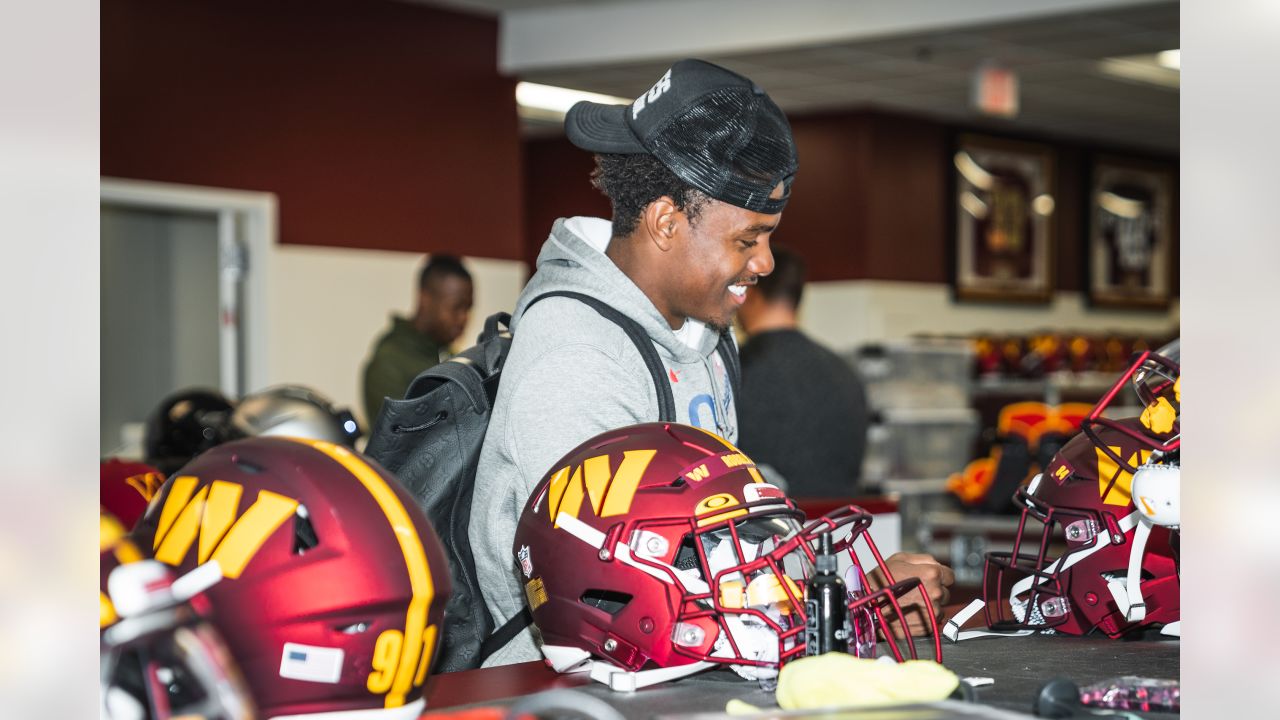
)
(183, 425)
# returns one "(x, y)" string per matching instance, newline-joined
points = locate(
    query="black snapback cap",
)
(711, 127)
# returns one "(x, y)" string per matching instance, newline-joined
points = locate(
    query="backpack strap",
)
(728, 350)
(505, 634)
(666, 400)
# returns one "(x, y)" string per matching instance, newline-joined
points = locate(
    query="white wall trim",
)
(257, 210)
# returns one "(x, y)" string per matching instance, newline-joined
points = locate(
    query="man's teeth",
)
(738, 290)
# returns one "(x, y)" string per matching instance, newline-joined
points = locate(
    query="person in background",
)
(803, 410)
(412, 345)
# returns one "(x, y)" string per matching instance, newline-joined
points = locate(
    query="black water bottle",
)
(826, 614)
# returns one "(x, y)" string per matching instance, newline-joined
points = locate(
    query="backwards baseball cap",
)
(713, 128)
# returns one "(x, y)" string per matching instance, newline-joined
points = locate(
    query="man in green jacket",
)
(412, 345)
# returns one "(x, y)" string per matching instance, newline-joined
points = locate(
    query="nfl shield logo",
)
(526, 565)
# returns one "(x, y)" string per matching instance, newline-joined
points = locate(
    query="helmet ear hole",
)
(304, 533)
(610, 601)
(245, 465)
(687, 555)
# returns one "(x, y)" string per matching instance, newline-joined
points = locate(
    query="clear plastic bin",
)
(927, 444)
(916, 373)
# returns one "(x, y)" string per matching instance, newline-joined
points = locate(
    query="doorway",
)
(182, 274)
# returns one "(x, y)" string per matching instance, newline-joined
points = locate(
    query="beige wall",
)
(327, 306)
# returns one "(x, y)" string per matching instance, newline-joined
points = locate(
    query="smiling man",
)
(698, 171)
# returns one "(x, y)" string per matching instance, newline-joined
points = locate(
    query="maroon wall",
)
(871, 200)
(378, 124)
(557, 183)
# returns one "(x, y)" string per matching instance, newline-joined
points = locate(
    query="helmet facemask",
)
(1036, 585)
(1156, 381)
(751, 615)
(163, 657)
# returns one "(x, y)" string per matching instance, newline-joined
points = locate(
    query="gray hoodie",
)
(571, 375)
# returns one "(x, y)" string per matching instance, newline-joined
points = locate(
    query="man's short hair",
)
(632, 181)
(439, 266)
(786, 282)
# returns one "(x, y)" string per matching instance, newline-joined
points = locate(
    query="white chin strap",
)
(1128, 592)
(564, 659)
(952, 630)
(755, 641)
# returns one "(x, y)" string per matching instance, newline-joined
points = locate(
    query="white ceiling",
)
(925, 72)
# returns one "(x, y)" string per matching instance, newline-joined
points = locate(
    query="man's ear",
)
(660, 220)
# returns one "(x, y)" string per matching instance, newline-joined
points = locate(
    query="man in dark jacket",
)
(803, 410)
(412, 345)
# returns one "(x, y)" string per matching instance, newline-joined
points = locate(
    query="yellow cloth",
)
(842, 680)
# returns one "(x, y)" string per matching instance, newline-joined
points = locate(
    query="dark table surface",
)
(1020, 666)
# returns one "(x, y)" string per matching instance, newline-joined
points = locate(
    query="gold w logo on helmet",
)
(610, 492)
(1123, 479)
(209, 514)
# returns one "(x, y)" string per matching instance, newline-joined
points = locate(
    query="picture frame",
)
(1131, 230)
(1003, 204)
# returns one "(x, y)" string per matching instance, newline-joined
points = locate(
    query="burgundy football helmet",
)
(1075, 580)
(125, 488)
(160, 656)
(334, 584)
(655, 551)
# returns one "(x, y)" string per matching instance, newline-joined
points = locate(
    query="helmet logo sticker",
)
(210, 515)
(610, 493)
(1107, 469)
(762, 491)
(147, 484)
(535, 592)
(526, 565)
(311, 663)
(715, 502)
(730, 461)
(1061, 469)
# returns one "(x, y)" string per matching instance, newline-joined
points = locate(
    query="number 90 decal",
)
(388, 655)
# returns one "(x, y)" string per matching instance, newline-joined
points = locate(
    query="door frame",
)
(251, 218)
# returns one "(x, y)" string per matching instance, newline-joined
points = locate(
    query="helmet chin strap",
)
(755, 641)
(1128, 592)
(1152, 483)
(565, 659)
(952, 629)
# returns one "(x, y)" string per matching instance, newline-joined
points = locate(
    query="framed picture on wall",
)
(1130, 243)
(1004, 201)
